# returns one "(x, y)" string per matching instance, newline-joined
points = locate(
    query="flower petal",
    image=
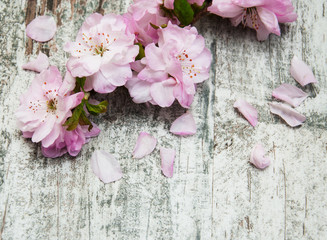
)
(248, 111)
(292, 117)
(84, 66)
(167, 161)
(145, 144)
(68, 84)
(42, 28)
(184, 125)
(39, 64)
(105, 167)
(163, 92)
(258, 158)
(290, 94)
(225, 8)
(301, 72)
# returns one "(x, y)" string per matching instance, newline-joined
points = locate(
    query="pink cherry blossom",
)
(39, 64)
(41, 29)
(139, 16)
(45, 107)
(102, 52)
(261, 15)
(173, 68)
(70, 141)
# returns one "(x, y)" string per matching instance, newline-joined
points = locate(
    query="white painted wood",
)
(215, 193)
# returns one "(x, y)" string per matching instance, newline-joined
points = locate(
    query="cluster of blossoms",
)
(152, 50)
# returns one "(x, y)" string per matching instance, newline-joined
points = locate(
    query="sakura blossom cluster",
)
(153, 50)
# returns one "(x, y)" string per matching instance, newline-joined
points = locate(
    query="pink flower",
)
(173, 68)
(261, 15)
(102, 53)
(70, 141)
(139, 16)
(45, 107)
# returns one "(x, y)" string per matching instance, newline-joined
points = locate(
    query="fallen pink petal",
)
(167, 156)
(258, 158)
(184, 125)
(290, 94)
(39, 64)
(42, 28)
(248, 111)
(105, 166)
(145, 144)
(301, 72)
(291, 117)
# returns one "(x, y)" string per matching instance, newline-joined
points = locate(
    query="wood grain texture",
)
(215, 193)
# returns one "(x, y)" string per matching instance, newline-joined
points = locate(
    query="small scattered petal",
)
(290, 94)
(258, 158)
(167, 161)
(301, 72)
(184, 125)
(105, 167)
(145, 144)
(42, 28)
(248, 111)
(39, 64)
(292, 117)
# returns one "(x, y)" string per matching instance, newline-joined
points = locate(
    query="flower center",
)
(95, 45)
(250, 14)
(52, 105)
(188, 67)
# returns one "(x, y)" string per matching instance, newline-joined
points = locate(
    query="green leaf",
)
(80, 82)
(73, 121)
(83, 120)
(96, 109)
(183, 12)
(141, 52)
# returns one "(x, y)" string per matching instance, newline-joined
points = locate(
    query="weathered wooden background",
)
(215, 193)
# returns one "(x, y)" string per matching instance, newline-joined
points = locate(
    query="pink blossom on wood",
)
(174, 67)
(43, 109)
(102, 52)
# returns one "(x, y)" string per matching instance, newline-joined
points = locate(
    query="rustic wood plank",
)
(215, 193)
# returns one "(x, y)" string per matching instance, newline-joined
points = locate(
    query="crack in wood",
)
(30, 15)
